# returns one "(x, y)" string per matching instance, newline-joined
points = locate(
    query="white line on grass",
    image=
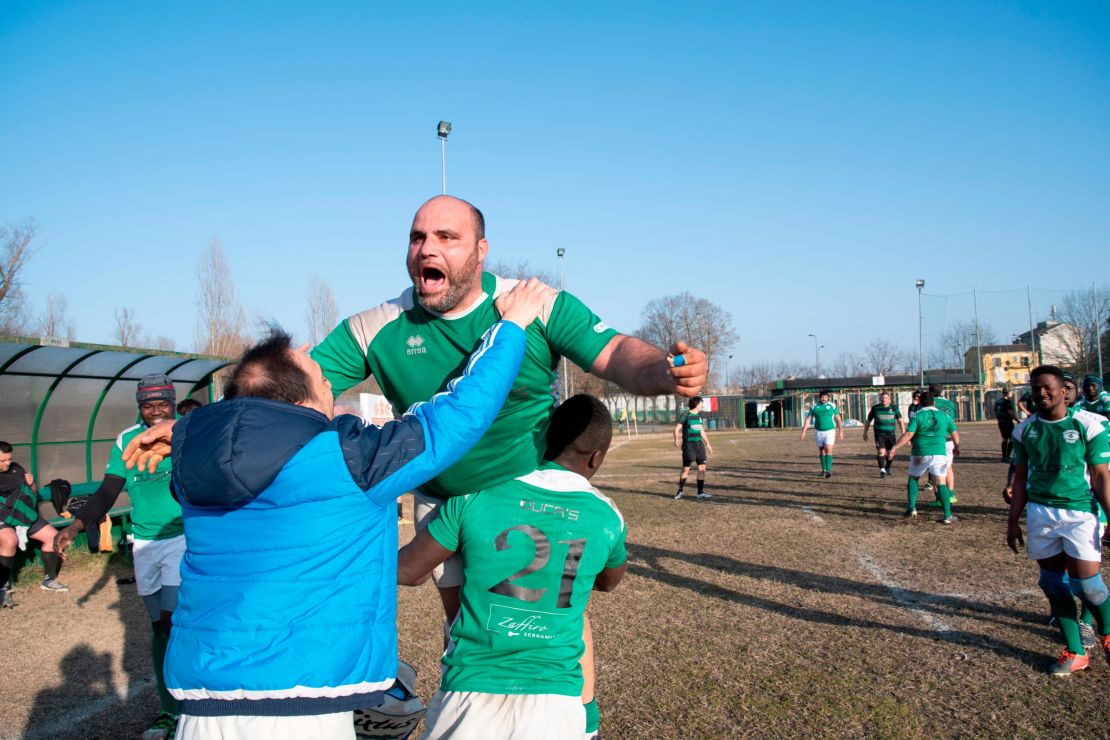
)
(900, 594)
(63, 726)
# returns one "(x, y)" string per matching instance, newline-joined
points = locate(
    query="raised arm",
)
(646, 370)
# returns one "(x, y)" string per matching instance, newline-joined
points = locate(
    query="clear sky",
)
(799, 164)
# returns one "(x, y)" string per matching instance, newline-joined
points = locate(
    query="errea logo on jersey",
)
(601, 327)
(1071, 436)
(416, 346)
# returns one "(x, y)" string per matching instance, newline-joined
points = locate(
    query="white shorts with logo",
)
(337, 726)
(450, 572)
(826, 438)
(922, 464)
(471, 715)
(157, 563)
(1053, 531)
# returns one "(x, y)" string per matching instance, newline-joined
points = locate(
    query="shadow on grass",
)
(902, 599)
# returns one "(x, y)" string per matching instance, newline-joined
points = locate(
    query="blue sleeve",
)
(432, 436)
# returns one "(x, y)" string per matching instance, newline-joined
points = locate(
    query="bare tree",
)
(161, 342)
(128, 332)
(220, 320)
(885, 358)
(16, 250)
(954, 342)
(846, 365)
(1085, 310)
(53, 322)
(683, 317)
(521, 270)
(321, 313)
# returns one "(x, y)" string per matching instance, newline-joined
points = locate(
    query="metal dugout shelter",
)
(62, 404)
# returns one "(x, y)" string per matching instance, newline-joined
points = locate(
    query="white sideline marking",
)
(63, 726)
(814, 515)
(900, 594)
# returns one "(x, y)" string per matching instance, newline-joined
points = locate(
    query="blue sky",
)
(799, 164)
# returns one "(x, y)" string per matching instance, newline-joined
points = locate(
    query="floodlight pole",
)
(443, 130)
(561, 254)
(817, 358)
(727, 358)
(920, 336)
(978, 352)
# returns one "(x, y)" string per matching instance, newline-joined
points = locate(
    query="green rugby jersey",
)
(1004, 409)
(884, 418)
(413, 353)
(691, 427)
(822, 415)
(531, 549)
(1057, 453)
(155, 515)
(930, 427)
(912, 410)
(946, 406)
(1100, 405)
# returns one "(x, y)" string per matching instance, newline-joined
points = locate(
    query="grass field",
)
(786, 606)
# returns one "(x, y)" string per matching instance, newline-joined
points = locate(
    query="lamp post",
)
(920, 336)
(442, 131)
(561, 253)
(727, 358)
(817, 353)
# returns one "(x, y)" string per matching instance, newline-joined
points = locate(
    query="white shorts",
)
(336, 726)
(470, 715)
(449, 573)
(922, 464)
(1053, 531)
(826, 438)
(949, 449)
(157, 563)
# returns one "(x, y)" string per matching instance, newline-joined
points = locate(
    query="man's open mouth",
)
(431, 280)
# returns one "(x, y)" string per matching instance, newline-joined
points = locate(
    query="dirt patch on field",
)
(787, 605)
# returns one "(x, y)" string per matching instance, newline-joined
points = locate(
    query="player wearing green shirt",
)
(690, 437)
(1094, 399)
(157, 528)
(1061, 457)
(415, 344)
(928, 433)
(534, 547)
(19, 508)
(948, 408)
(888, 424)
(827, 426)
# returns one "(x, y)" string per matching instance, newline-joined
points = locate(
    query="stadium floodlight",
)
(920, 336)
(443, 129)
(561, 253)
(817, 359)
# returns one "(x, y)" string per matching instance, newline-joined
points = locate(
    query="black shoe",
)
(828, 474)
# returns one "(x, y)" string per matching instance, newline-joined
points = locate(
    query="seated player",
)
(690, 437)
(532, 548)
(1060, 457)
(928, 431)
(19, 508)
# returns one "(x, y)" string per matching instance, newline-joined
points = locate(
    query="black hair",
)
(580, 426)
(267, 370)
(1047, 370)
(693, 402)
(926, 398)
(5, 447)
(187, 405)
(934, 389)
(916, 392)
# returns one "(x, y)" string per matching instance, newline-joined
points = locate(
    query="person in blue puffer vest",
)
(286, 617)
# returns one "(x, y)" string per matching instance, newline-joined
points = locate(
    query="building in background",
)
(1003, 364)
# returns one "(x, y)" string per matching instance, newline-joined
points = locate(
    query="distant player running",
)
(827, 426)
(927, 432)
(1094, 399)
(1060, 457)
(533, 548)
(886, 418)
(1005, 413)
(690, 436)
